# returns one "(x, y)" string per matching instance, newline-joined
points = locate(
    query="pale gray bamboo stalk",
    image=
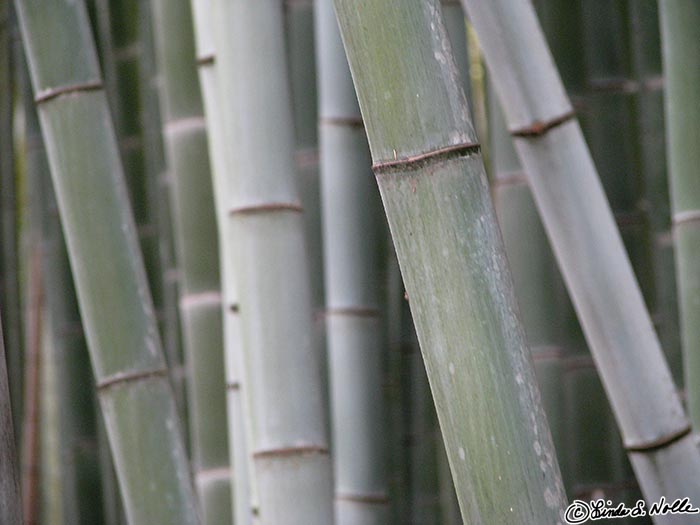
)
(238, 420)
(282, 368)
(197, 255)
(352, 241)
(589, 249)
(115, 304)
(431, 177)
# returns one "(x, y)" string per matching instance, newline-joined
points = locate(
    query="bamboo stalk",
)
(282, 368)
(10, 500)
(197, 253)
(589, 248)
(648, 74)
(434, 190)
(680, 21)
(135, 395)
(238, 420)
(158, 189)
(352, 241)
(9, 277)
(32, 409)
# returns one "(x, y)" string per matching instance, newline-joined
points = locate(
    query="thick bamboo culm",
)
(436, 198)
(197, 254)
(655, 430)
(282, 368)
(135, 395)
(352, 238)
(238, 420)
(680, 23)
(10, 500)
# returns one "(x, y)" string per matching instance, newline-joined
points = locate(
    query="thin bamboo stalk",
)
(197, 253)
(281, 363)
(647, 73)
(135, 395)
(588, 246)
(158, 189)
(30, 424)
(10, 500)
(434, 190)
(680, 24)
(9, 276)
(352, 241)
(238, 420)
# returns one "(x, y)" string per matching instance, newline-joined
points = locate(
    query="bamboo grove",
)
(316, 262)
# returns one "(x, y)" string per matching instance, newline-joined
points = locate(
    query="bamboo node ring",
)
(127, 377)
(453, 150)
(539, 128)
(660, 442)
(54, 92)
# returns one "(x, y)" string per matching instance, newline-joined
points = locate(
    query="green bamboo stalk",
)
(158, 189)
(9, 276)
(238, 420)
(588, 246)
(434, 190)
(135, 395)
(10, 500)
(197, 253)
(352, 248)
(281, 363)
(680, 21)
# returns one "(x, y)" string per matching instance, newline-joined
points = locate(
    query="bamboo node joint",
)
(539, 128)
(660, 442)
(54, 92)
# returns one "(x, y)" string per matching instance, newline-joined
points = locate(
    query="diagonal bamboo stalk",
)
(282, 368)
(352, 241)
(680, 23)
(135, 396)
(197, 253)
(431, 177)
(589, 249)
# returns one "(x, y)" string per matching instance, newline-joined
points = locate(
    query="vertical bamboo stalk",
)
(352, 240)
(680, 24)
(238, 419)
(10, 500)
(281, 364)
(589, 248)
(9, 277)
(158, 189)
(135, 395)
(434, 190)
(647, 70)
(197, 253)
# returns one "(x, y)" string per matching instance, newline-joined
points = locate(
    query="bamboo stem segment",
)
(197, 254)
(120, 326)
(589, 249)
(352, 237)
(431, 178)
(282, 368)
(681, 57)
(10, 500)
